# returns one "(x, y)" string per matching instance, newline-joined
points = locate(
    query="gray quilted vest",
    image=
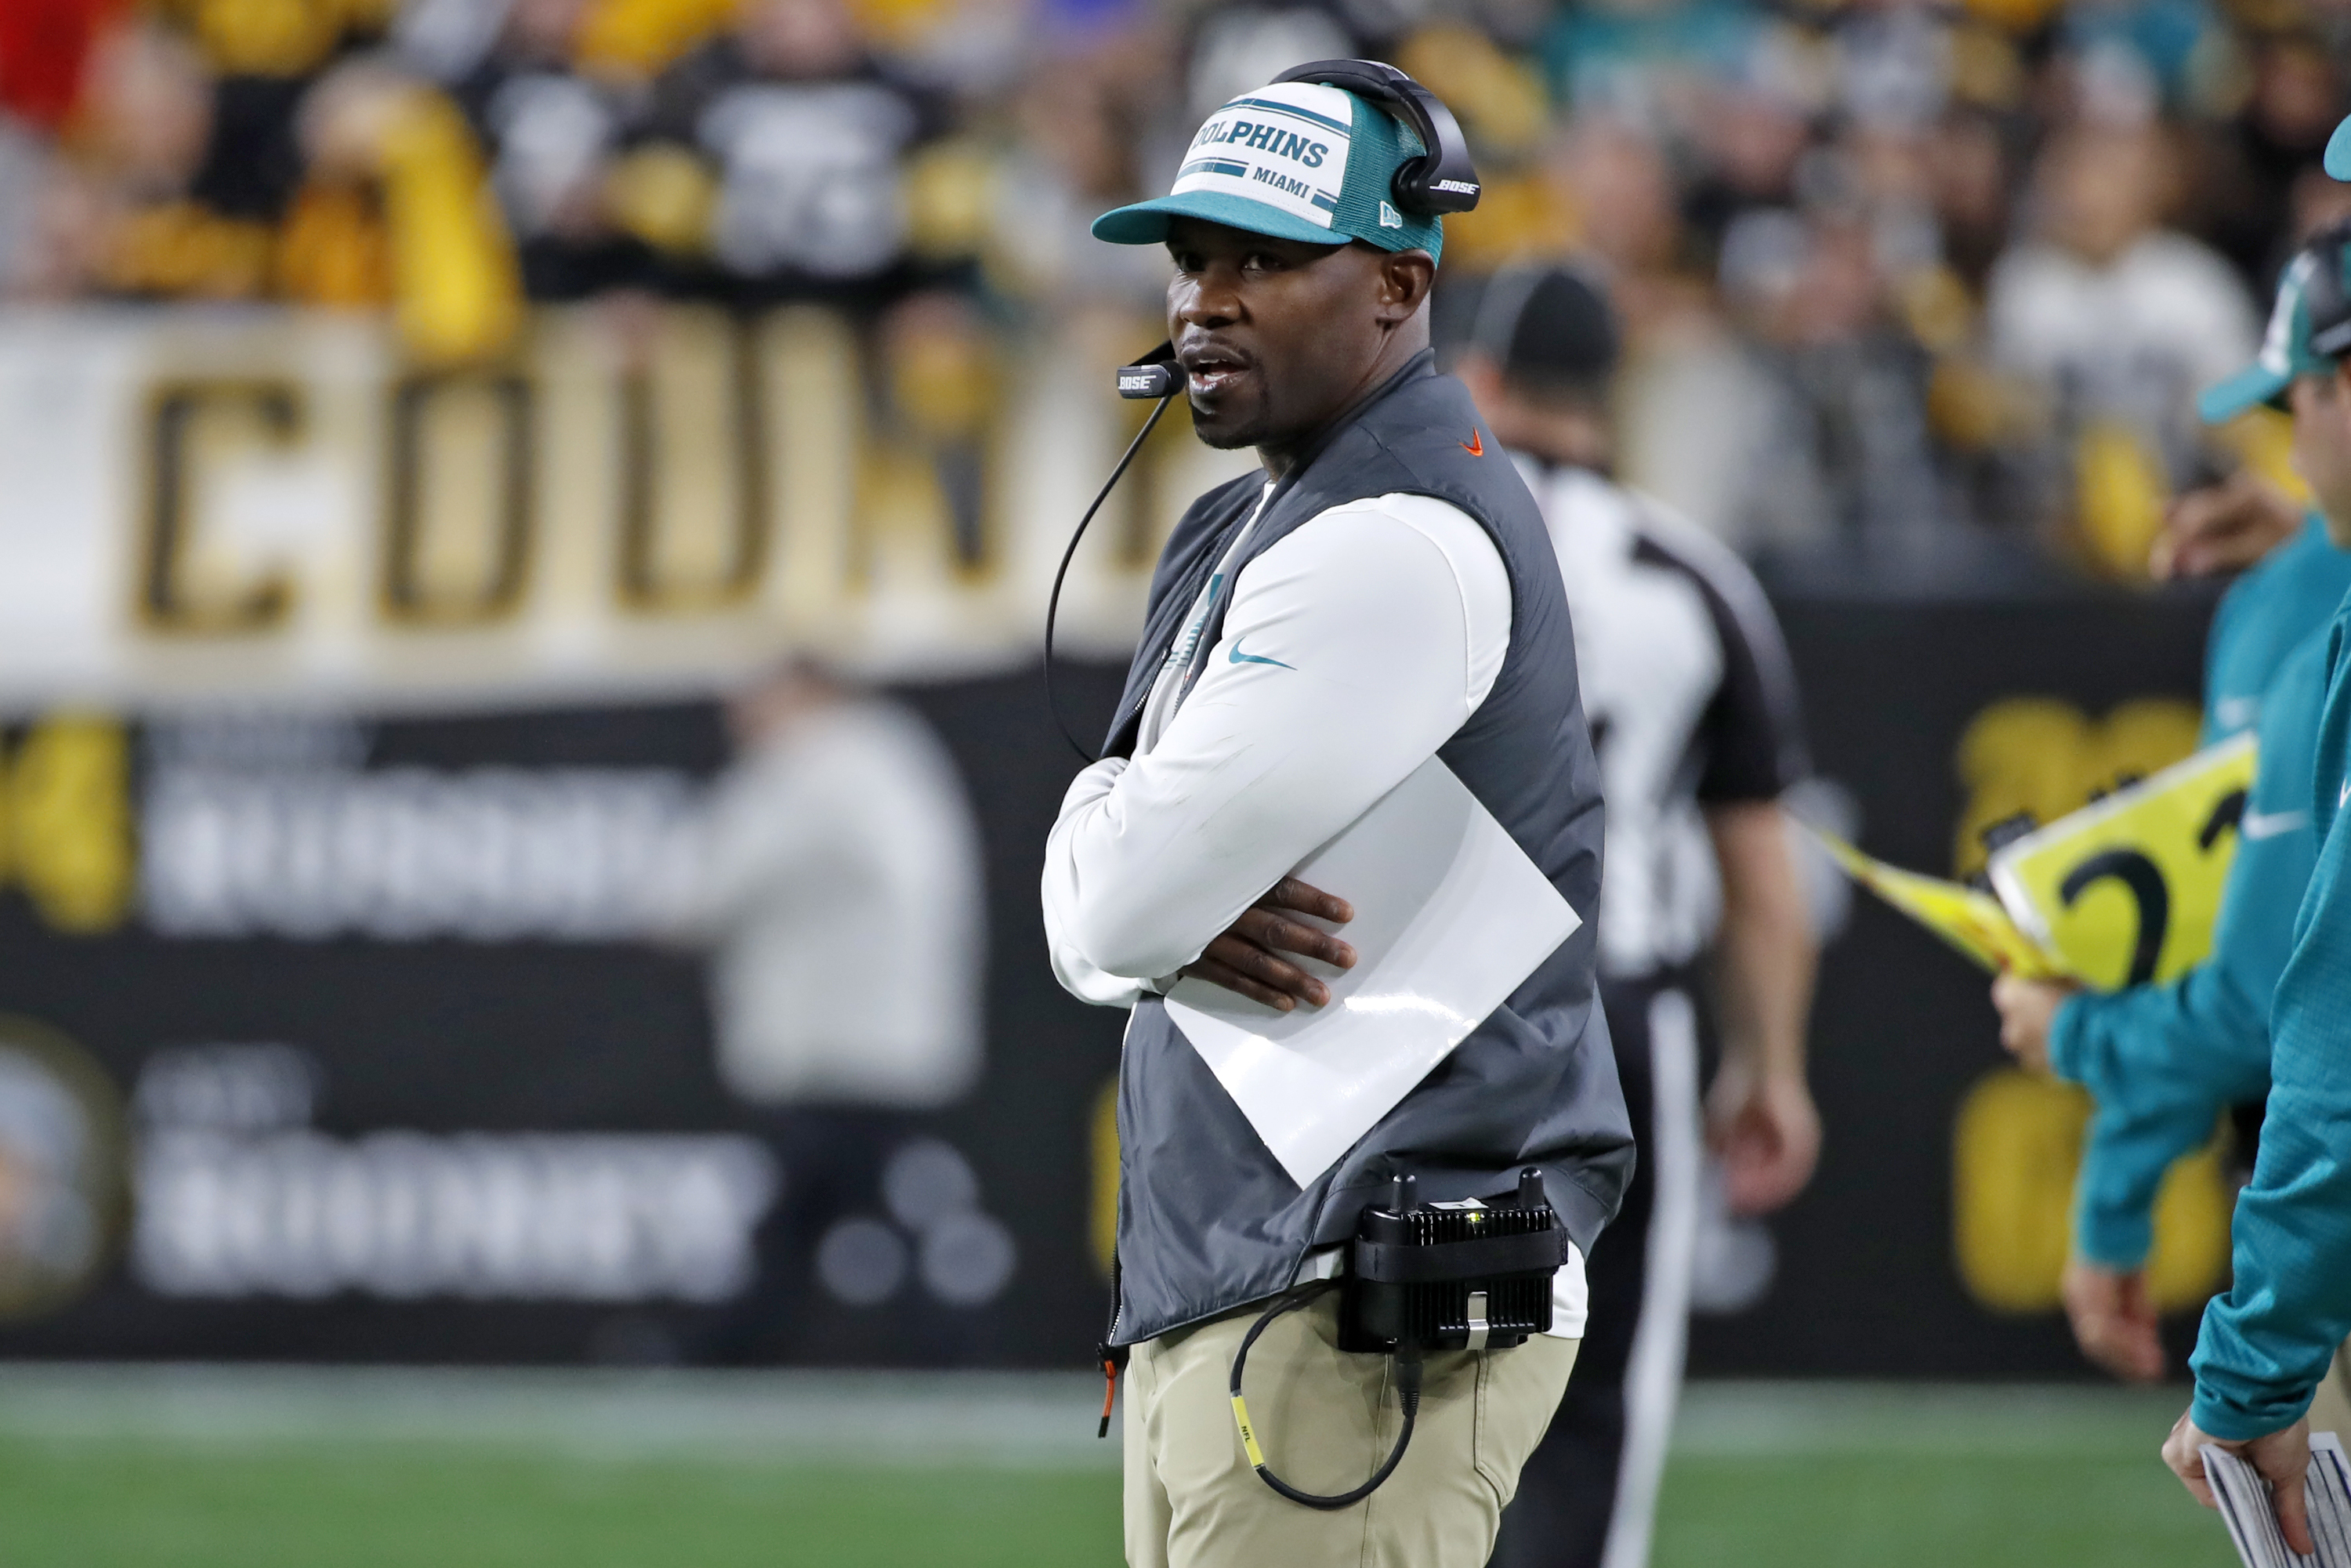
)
(1208, 1221)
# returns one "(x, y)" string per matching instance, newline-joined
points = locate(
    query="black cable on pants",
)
(1407, 1359)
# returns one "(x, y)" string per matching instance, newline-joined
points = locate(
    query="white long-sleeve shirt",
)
(1352, 651)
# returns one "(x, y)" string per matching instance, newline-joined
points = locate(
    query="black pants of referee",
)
(1587, 1496)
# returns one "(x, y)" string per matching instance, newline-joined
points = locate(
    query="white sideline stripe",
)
(1013, 1419)
(997, 1420)
(1740, 1419)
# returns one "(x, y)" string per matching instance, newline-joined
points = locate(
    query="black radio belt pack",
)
(1425, 1277)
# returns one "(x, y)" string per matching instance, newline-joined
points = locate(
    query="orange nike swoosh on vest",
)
(1476, 445)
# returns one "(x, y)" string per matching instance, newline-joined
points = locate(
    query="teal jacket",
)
(2161, 1061)
(2266, 1343)
(2290, 593)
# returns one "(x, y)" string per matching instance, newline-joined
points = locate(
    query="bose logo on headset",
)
(1441, 180)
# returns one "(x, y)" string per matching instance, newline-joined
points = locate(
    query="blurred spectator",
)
(1968, 165)
(2155, 52)
(2115, 322)
(392, 211)
(838, 893)
(1754, 135)
(775, 155)
(1239, 47)
(551, 131)
(1619, 181)
(1075, 156)
(2247, 166)
(1840, 434)
(262, 60)
(148, 131)
(239, 155)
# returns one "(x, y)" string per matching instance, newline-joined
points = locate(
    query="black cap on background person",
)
(1542, 355)
(1550, 328)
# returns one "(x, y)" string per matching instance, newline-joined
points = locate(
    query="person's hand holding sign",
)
(1248, 958)
(2027, 1010)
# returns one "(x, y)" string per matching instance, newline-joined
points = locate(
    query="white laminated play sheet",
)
(2252, 1524)
(1450, 917)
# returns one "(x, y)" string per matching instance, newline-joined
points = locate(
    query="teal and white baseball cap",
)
(2338, 151)
(1297, 161)
(2287, 351)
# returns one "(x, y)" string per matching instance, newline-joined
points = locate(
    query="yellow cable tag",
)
(1249, 1438)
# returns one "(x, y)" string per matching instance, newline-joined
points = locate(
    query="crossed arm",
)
(1352, 651)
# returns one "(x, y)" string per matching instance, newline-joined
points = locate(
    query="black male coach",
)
(1385, 592)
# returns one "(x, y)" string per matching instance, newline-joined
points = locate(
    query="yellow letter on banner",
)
(69, 805)
(190, 428)
(696, 530)
(460, 510)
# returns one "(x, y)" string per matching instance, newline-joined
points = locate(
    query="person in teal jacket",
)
(2287, 597)
(2265, 1344)
(2163, 1061)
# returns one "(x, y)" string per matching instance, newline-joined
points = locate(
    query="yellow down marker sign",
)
(1968, 918)
(2128, 890)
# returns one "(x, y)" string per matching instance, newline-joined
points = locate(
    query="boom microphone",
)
(1156, 375)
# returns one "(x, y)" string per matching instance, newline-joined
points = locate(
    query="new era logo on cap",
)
(1285, 145)
(2276, 355)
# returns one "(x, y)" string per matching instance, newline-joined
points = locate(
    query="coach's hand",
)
(2114, 1320)
(2282, 1456)
(2027, 1010)
(1248, 958)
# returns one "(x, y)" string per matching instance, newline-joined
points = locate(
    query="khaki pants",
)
(1325, 1420)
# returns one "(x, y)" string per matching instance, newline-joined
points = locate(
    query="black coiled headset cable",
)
(1407, 1381)
(1053, 605)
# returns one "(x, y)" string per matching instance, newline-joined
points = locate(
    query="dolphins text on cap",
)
(1285, 145)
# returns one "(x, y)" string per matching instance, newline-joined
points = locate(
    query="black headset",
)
(1442, 179)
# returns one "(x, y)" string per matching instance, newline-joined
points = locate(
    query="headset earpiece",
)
(1442, 179)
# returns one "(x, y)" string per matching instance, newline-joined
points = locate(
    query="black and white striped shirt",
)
(1691, 699)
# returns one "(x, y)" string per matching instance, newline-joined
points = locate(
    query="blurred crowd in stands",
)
(1888, 266)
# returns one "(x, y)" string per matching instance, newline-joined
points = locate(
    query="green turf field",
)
(122, 1469)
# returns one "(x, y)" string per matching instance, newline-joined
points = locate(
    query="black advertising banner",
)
(335, 1037)
(295, 1098)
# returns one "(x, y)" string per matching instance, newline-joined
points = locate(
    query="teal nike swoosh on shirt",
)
(2339, 152)
(1237, 657)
